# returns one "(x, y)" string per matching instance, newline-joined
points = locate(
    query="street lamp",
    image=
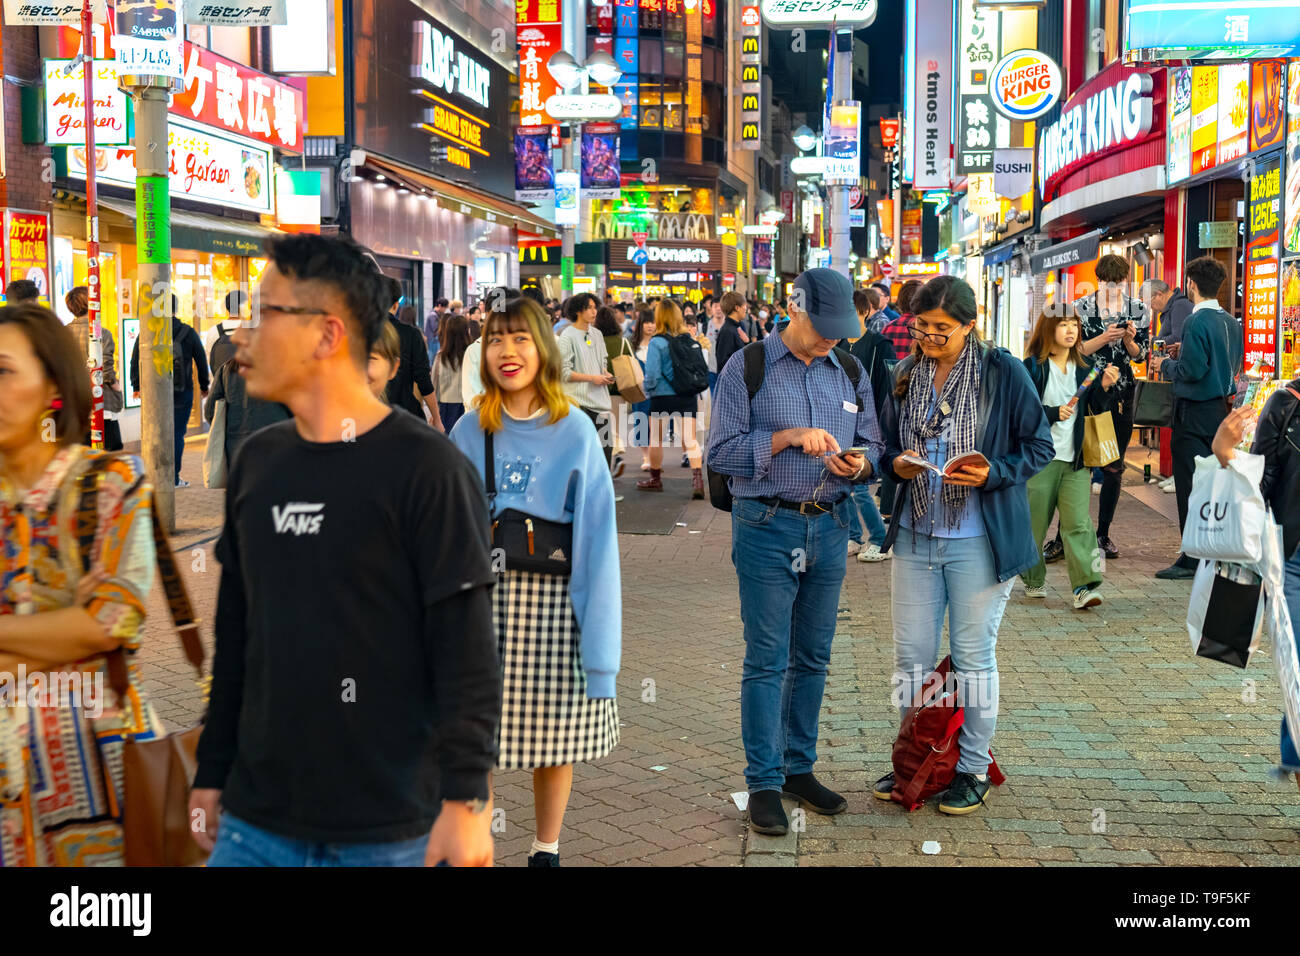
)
(568, 72)
(564, 69)
(804, 138)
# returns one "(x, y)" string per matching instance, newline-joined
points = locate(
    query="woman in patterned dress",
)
(559, 635)
(60, 760)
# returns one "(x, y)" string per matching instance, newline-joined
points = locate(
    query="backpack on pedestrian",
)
(690, 368)
(223, 349)
(926, 752)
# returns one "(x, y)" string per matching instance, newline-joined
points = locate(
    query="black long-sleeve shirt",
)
(355, 682)
(188, 347)
(413, 370)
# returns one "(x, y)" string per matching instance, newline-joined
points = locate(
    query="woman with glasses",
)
(964, 534)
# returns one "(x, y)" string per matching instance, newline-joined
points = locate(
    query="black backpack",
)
(755, 371)
(223, 349)
(690, 370)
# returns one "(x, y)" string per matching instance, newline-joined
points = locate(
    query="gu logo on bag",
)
(297, 518)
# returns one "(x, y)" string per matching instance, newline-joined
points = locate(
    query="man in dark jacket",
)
(413, 371)
(244, 415)
(1204, 376)
(223, 349)
(731, 338)
(187, 354)
(1172, 307)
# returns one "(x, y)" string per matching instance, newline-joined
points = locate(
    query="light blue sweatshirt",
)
(659, 368)
(558, 472)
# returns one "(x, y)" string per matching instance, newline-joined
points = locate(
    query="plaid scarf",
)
(955, 419)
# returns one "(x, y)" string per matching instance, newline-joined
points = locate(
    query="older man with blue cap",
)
(794, 427)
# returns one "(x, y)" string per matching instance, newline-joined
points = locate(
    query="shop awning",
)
(468, 201)
(202, 233)
(1062, 255)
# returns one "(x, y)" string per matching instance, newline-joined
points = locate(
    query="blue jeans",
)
(790, 568)
(183, 403)
(239, 843)
(1291, 587)
(867, 512)
(956, 575)
(433, 350)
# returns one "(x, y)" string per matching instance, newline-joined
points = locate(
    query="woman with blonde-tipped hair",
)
(557, 604)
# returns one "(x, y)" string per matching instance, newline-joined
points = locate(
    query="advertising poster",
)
(1234, 111)
(1205, 114)
(1291, 231)
(1263, 222)
(601, 170)
(1290, 318)
(537, 33)
(911, 237)
(148, 40)
(1267, 103)
(65, 105)
(534, 168)
(566, 197)
(27, 249)
(763, 255)
(841, 146)
(1179, 143)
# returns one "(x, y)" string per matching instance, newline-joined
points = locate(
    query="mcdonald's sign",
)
(749, 138)
(751, 79)
(749, 103)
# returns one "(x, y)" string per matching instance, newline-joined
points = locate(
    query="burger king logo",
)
(1025, 84)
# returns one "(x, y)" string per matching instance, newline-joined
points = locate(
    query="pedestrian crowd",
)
(420, 573)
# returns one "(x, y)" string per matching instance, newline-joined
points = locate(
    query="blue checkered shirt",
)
(793, 395)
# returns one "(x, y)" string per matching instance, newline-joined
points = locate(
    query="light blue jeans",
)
(866, 512)
(790, 568)
(1291, 587)
(239, 843)
(933, 575)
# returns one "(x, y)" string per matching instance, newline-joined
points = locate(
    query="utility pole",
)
(837, 198)
(153, 263)
(574, 42)
(95, 358)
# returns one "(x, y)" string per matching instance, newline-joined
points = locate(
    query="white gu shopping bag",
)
(1225, 511)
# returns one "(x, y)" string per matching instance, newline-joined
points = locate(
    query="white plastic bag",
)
(214, 456)
(1225, 511)
(1281, 629)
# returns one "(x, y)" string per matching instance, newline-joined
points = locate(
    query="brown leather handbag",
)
(157, 773)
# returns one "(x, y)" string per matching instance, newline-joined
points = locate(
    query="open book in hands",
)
(951, 466)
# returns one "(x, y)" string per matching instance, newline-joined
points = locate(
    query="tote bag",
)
(1225, 616)
(1100, 446)
(1225, 510)
(214, 456)
(628, 377)
(1153, 404)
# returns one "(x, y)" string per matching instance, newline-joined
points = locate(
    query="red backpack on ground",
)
(925, 753)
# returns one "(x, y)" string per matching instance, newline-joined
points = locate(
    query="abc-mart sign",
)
(1111, 117)
(1025, 84)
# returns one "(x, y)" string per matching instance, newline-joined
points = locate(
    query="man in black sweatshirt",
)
(355, 688)
(187, 354)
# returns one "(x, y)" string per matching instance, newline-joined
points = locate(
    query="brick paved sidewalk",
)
(1101, 711)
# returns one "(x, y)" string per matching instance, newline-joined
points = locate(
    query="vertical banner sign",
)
(977, 52)
(1267, 103)
(787, 205)
(1291, 233)
(1290, 319)
(1205, 118)
(236, 13)
(539, 34)
(931, 121)
(148, 40)
(153, 214)
(534, 166)
(904, 171)
(1234, 111)
(1263, 222)
(911, 233)
(627, 28)
(762, 258)
(840, 148)
(27, 249)
(601, 171)
(566, 197)
(751, 83)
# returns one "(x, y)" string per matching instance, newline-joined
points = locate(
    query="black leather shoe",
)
(965, 795)
(813, 796)
(884, 787)
(1176, 572)
(1108, 547)
(543, 860)
(1054, 551)
(766, 815)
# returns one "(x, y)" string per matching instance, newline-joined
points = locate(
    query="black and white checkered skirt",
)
(546, 718)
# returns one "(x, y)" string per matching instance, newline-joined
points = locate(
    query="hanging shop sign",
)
(1025, 85)
(930, 135)
(34, 13)
(889, 133)
(846, 14)
(977, 52)
(1220, 114)
(1263, 229)
(206, 165)
(1267, 104)
(534, 165)
(762, 257)
(1234, 111)
(538, 34)
(1291, 207)
(65, 104)
(236, 13)
(297, 200)
(601, 170)
(148, 40)
(751, 65)
(1013, 172)
(27, 249)
(1062, 255)
(1110, 118)
(626, 53)
(1201, 29)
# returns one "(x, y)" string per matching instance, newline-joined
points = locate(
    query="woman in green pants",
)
(1059, 370)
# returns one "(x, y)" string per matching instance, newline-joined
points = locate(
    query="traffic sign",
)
(639, 238)
(640, 257)
(855, 197)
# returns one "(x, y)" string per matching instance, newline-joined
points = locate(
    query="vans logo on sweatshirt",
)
(297, 518)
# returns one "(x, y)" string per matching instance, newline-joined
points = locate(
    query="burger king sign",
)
(1025, 84)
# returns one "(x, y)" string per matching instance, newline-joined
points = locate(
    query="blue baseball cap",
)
(827, 297)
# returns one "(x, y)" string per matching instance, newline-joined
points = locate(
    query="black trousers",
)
(112, 436)
(1112, 475)
(1194, 426)
(886, 495)
(598, 419)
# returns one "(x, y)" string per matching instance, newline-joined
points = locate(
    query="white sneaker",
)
(872, 554)
(1166, 482)
(1038, 592)
(645, 466)
(1169, 489)
(1086, 598)
(854, 548)
(1096, 487)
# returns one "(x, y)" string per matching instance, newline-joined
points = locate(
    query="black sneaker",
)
(1107, 547)
(1053, 551)
(766, 815)
(813, 796)
(686, 461)
(965, 795)
(884, 787)
(543, 860)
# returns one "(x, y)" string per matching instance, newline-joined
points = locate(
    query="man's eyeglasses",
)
(936, 338)
(260, 309)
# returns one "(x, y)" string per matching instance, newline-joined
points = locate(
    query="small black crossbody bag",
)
(529, 543)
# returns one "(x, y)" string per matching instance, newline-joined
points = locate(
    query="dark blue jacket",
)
(1013, 434)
